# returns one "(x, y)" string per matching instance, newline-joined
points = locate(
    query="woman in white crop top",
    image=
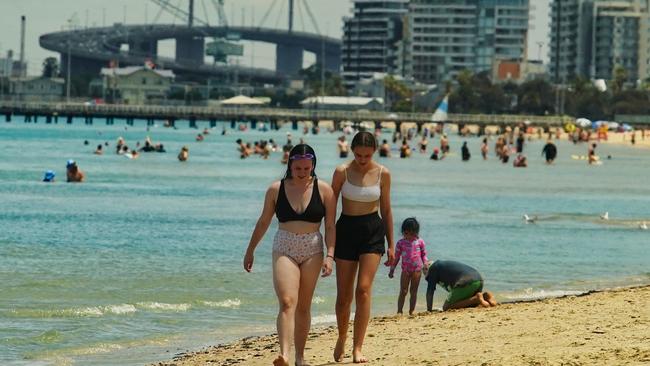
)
(361, 234)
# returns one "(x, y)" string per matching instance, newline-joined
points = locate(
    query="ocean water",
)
(143, 260)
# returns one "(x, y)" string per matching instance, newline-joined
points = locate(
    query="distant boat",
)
(605, 216)
(440, 115)
(643, 226)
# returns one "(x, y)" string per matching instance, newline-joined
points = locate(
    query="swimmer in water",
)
(49, 176)
(184, 154)
(550, 152)
(73, 173)
(465, 152)
(484, 148)
(384, 149)
(342, 147)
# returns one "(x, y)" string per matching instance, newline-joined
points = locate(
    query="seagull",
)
(643, 226)
(605, 216)
(530, 220)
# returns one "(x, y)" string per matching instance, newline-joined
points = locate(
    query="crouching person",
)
(464, 284)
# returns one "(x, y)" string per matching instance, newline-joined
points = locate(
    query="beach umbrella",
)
(583, 122)
(627, 127)
(612, 125)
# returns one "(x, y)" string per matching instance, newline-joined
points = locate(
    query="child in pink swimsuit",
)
(411, 249)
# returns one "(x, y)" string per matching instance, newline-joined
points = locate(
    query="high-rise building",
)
(590, 38)
(370, 38)
(446, 37)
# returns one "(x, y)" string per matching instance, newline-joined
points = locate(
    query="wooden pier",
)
(53, 112)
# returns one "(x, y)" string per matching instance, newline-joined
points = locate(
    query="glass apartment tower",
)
(447, 36)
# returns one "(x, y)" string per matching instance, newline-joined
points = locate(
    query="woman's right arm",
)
(262, 224)
(337, 181)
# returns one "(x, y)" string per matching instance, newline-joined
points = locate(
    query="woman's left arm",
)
(330, 226)
(387, 215)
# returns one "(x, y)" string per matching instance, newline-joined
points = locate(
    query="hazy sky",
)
(45, 16)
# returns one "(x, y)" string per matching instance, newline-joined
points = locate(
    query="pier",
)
(53, 112)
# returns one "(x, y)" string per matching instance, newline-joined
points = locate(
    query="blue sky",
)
(44, 16)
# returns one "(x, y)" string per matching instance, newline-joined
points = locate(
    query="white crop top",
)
(361, 193)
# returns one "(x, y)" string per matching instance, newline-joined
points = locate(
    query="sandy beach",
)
(599, 328)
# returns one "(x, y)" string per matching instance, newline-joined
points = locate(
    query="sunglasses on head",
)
(302, 157)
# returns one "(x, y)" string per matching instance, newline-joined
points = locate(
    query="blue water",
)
(143, 260)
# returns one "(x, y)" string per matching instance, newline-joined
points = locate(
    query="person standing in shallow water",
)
(300, 202)
(465, 152)
(549, 151)
(364, 187)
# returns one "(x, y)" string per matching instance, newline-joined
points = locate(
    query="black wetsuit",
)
(520, 144)
(451, 274)
(465, 152)
(550, 151)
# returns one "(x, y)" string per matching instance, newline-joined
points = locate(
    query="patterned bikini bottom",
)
(298, 247)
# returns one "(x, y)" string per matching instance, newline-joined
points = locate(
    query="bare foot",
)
(339, 349)
(482, 303)
(280, 361)
(357, 357)
(487, 296)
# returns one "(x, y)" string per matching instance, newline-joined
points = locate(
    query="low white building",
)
(37, 88)
(136, 84)
(344, 103)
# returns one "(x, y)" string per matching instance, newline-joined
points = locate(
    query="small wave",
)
(318, 300)
(228, 303)
(323, 319)
(160, 306)
(531, 294)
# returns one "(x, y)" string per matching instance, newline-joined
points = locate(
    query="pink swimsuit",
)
(413, 254)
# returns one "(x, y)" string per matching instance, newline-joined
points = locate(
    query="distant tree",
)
(50, 67)
(465, 98)
(536, 97)
(313, 76)
(619, 78)
(398, 95)
(476, 94)
(630, 102)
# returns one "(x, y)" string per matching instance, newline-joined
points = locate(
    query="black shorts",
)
(357, 235)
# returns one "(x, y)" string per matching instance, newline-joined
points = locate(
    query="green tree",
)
(465, 98)
(630, 102)
(50, 67)
(398, 95)
(476, 94)
(313, 76)
(535, 97)
(618, 79)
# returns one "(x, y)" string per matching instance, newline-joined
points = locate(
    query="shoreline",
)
(606, 326)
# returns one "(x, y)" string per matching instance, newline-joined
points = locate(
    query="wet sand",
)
(599, 328)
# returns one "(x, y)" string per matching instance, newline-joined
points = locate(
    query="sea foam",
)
(228, 303)
(159, 306)
(532, 294)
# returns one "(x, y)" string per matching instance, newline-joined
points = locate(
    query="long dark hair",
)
(364, 139)
(301, 149)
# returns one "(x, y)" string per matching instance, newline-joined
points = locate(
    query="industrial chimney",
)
(23, 69)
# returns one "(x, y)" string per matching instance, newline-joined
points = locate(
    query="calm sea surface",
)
(143, 260)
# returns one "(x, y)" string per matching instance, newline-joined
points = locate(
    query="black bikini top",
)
(314, 212)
